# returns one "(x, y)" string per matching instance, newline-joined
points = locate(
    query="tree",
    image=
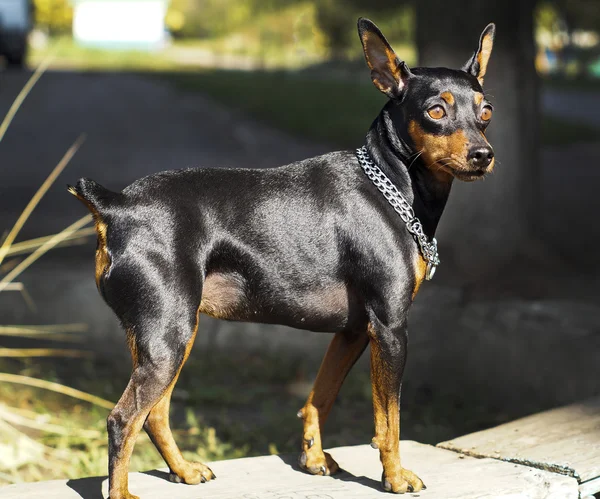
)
(55, 16)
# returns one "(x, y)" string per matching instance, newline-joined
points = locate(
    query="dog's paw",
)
(126, 495)
(405, 481)
(318, 463)
(192, 474)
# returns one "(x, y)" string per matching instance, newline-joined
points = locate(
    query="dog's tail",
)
(98, 199)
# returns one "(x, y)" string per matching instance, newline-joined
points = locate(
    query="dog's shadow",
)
(91, 488)
(88, 488)
(343, 475)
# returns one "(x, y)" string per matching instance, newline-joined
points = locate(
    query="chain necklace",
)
(403, 208)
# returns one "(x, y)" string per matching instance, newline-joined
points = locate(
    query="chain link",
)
(403, 208)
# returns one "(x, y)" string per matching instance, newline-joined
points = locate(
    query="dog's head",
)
(443, 112)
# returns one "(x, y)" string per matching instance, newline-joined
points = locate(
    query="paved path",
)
(135, 126)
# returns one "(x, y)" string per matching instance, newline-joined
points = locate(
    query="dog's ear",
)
(477, 65)
(388, 73)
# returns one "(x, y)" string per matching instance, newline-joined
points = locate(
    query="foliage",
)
(337, 19)
(214, 18)
(54, 16)
(581, 14)
(323, 23)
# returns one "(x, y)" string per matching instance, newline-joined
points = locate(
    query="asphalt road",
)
(135, 126)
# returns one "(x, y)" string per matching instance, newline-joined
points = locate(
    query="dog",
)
(338, 243)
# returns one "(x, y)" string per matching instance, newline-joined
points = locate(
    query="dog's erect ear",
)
(477, 65)
(388, 73)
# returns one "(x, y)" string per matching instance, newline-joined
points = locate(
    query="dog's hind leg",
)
(159, 431)
(344, 350)
(159, 348)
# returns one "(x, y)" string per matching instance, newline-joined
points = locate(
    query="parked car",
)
(16, 21)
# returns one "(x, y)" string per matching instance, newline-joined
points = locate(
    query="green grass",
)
(328, 110)
(336, 110)
(68, 55)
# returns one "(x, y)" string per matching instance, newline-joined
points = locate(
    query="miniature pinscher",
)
(315, 245)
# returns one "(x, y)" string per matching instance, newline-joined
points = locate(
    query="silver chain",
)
(403, 208)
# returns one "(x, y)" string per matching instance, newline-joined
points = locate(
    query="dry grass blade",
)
(18, 286)
(24, 247)
(44, 248)
(42, 335)
(55, 387)
(7, 478)
(41, 69)
(6, 266)
(36, 422)
(38, 196)
(50, 328)
(14, 286)
(42, 352)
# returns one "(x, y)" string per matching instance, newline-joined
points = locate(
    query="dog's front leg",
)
(343, 352)
(388, 357)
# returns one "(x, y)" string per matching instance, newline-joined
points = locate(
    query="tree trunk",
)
(485, 222)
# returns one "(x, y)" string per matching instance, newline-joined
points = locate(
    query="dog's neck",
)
(424, 189)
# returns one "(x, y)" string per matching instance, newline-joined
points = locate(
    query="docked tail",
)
(97, 198)
(99, 201)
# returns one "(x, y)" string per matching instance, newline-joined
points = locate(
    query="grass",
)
(68, 55)
(294, 101)
(73, 432)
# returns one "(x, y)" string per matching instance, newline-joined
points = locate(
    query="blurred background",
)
(509, 326)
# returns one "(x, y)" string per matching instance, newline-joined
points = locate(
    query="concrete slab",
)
(564, 440)
(448, 475)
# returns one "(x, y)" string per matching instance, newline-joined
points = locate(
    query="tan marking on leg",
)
(119, 474)
(386, 411)
(341, 355)
(448, 97)
(420, 269)
(130, 335)
(158, 428)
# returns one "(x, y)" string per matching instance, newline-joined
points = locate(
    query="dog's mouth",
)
(469, 175)
(463, 172)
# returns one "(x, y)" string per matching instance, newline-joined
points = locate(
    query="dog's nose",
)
(481, 157)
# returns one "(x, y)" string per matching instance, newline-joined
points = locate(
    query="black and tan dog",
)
(313, 245)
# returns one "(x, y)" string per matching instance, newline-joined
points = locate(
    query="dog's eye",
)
(486, 113)
(436, 112)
